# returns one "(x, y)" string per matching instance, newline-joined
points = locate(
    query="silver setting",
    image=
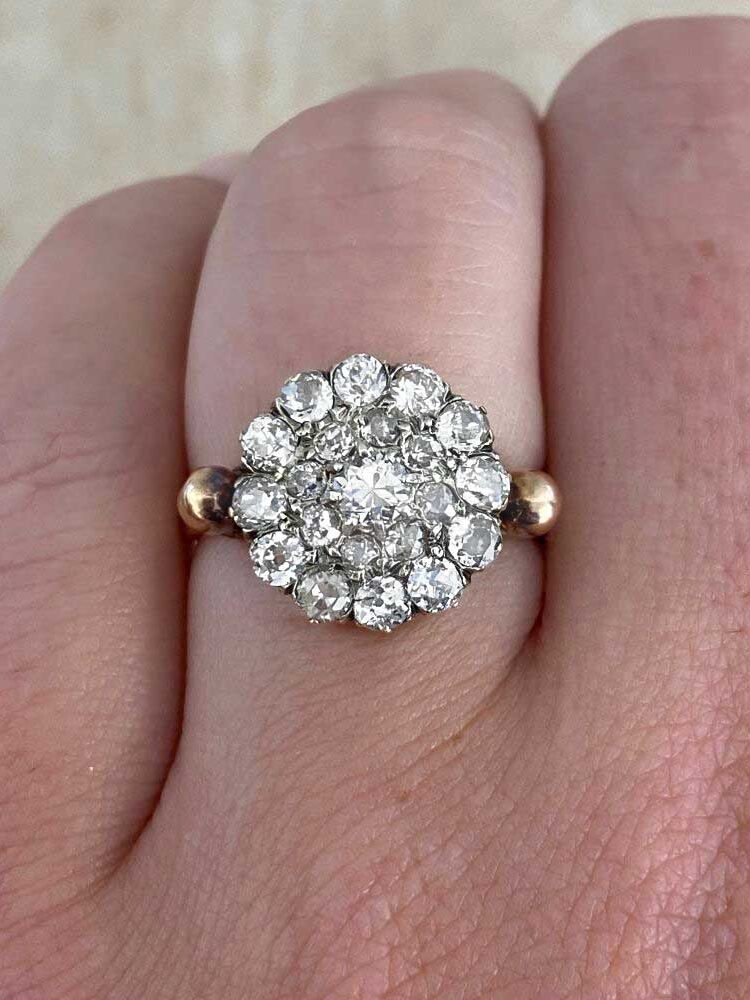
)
(370, 493)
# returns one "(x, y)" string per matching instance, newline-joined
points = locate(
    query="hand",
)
(543, 794)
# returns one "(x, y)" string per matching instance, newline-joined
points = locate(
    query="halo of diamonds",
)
(370, 492)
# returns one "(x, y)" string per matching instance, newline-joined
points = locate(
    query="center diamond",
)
(370, 490)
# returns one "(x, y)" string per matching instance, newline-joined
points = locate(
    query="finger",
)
(93, 330)
(646, 345)
(406, 222)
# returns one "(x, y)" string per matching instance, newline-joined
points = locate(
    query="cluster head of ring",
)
(370, 492)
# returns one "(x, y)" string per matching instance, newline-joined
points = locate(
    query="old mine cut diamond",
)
(268, 443)
(473, 540)
(382, 603)
(321, 526)
(279, 557)
(305, 480)
(405, 541)
(258, 502)
(325, 595)
(360, 379)
(370, 489)
(334, 442)
(483, 481)
(306, 397)
(417, 391)
(379, 426)
(358, 552)
(462, 426)
(370, 493)
(434, 584)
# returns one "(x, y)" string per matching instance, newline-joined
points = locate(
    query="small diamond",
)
(405, 541)
(382, 604)
(305, 480)
(334, 442)
(483, 481)
(462, 426)
(258, 502)
(437, 503)
(421, 451)
(360, 379)
(324, 594)
(434, 584)
(380, 427)
(279, 558)
(320, 525)
(306, 397)
(268, 443)
(474, 540)
(358, 552)
(417, 391)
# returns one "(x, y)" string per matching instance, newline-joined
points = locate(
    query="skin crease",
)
(540, 796)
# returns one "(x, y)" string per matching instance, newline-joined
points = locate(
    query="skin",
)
(542, 795)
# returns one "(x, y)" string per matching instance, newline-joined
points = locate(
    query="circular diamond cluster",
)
(370, 492)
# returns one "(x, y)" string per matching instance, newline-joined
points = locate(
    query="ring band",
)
(370, 492)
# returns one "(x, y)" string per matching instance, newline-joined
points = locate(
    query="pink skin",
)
(492, 804)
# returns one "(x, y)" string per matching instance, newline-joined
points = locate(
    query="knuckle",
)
(391, 198)
(399, 151)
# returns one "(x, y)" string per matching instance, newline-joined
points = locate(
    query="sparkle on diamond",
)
(320, 525)
(268, 443)
(417, 391)
(258, 502)
(483, 481)
(434, 584)
(357, 552)
(305, 480)
(382, 603)
(371, 488)
(462, 426)
(279, 557)
(360, 379)
(474, 540)
(307, 396)
(325, 595)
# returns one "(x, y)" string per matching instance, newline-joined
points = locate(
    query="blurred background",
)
(98, 93)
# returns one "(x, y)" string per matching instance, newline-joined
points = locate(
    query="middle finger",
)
(405, 222)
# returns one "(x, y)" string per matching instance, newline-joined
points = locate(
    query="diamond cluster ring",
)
(369, 492)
